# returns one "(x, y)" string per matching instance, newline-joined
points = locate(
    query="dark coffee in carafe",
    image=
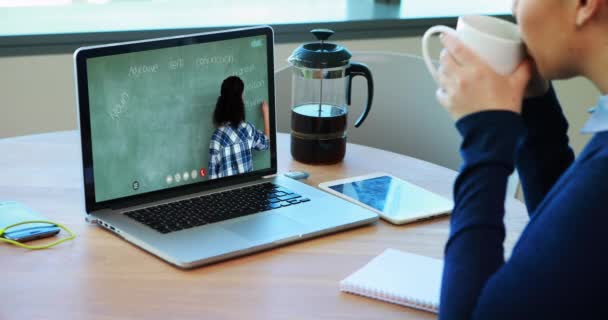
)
(318, 133)
(322, 77)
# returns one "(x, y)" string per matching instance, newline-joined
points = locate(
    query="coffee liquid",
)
(318, 133)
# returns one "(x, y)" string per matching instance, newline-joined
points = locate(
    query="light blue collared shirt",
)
(598, 121)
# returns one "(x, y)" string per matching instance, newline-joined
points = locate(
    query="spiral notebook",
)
(399, 277)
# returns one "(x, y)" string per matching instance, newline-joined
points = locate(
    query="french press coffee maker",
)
(322, 82)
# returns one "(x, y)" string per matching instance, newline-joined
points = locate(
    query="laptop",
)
(161, 175)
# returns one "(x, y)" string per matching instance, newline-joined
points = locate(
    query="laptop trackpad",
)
(266, 228)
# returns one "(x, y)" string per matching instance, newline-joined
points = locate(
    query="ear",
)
(587, 10)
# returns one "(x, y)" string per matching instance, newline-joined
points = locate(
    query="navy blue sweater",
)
(558, 268)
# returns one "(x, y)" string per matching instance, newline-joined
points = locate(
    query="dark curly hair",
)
(230, 107)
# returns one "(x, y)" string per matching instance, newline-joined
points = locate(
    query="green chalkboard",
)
(151, 112)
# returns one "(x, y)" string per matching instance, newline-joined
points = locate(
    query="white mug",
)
(496, 41)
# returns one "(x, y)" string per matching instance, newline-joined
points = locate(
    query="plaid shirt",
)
(230, 149)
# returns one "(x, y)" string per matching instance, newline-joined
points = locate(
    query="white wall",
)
(37, 92)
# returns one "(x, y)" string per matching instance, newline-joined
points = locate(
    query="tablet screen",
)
(393, 197)
(374, 192)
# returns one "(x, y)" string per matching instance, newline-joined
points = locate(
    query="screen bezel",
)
(82, 91)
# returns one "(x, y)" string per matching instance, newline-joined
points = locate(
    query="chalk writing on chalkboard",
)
(121, 107)
(175, 64)
(203, 62)
(137, 70)
(255, 84)
(244, 70)
(255, 102)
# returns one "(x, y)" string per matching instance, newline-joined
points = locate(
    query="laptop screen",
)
(162, 118)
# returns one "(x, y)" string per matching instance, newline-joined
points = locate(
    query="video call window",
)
(160, 118)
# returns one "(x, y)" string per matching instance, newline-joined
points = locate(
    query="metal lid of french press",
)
(320, 55)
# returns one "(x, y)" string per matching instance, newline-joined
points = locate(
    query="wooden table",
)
(100, 276)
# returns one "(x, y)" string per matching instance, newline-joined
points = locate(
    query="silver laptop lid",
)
(147, 108)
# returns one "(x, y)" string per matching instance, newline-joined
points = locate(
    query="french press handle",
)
(359, 69)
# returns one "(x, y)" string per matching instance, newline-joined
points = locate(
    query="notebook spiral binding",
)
(387, 296)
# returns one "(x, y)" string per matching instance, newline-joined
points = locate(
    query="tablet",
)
(395, 200)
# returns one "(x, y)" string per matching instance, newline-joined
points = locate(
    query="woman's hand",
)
(266, 116)
(264, 108)
(469, 85)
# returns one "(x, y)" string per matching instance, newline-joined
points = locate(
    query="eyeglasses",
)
(7, 229)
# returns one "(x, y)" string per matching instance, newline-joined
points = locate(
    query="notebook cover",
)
(399, 277)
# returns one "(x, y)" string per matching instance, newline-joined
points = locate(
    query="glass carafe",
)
(322, 78)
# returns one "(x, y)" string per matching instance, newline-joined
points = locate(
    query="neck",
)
(597, 64)
(599, 76)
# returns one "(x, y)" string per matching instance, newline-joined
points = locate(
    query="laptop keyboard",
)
(216, 207)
